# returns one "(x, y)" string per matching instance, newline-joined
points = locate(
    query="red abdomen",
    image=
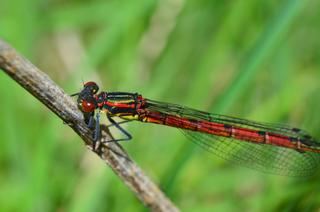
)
(225, 130)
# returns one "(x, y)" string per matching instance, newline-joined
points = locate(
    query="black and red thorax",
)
(112, 103)
(120, 103)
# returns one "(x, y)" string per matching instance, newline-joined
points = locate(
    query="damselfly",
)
(272, 148)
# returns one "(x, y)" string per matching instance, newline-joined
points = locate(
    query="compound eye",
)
(90, 83)
(92, 86)
(88, 106)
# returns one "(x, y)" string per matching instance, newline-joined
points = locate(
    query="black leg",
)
(89, 119)
(121, 122)
(97, 131)
(90, 122)
(96, 136)
(117, 125)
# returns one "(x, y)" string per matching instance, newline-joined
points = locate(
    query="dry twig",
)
(44, 89)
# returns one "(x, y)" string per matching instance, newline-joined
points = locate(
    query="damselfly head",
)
(86, 97)
(89, 88)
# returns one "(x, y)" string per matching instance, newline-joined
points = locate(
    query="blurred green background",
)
(252, 59)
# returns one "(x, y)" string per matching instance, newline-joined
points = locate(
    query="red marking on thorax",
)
(119, 105)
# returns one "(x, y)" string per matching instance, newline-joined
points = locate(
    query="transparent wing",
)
(263, 157)
(189, 113)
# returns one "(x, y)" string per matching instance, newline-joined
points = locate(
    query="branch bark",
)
(51, 95)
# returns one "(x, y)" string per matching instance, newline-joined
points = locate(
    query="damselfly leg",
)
(97, 129)
(122, 130)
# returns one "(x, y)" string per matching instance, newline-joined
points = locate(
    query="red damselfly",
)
(271, 148)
